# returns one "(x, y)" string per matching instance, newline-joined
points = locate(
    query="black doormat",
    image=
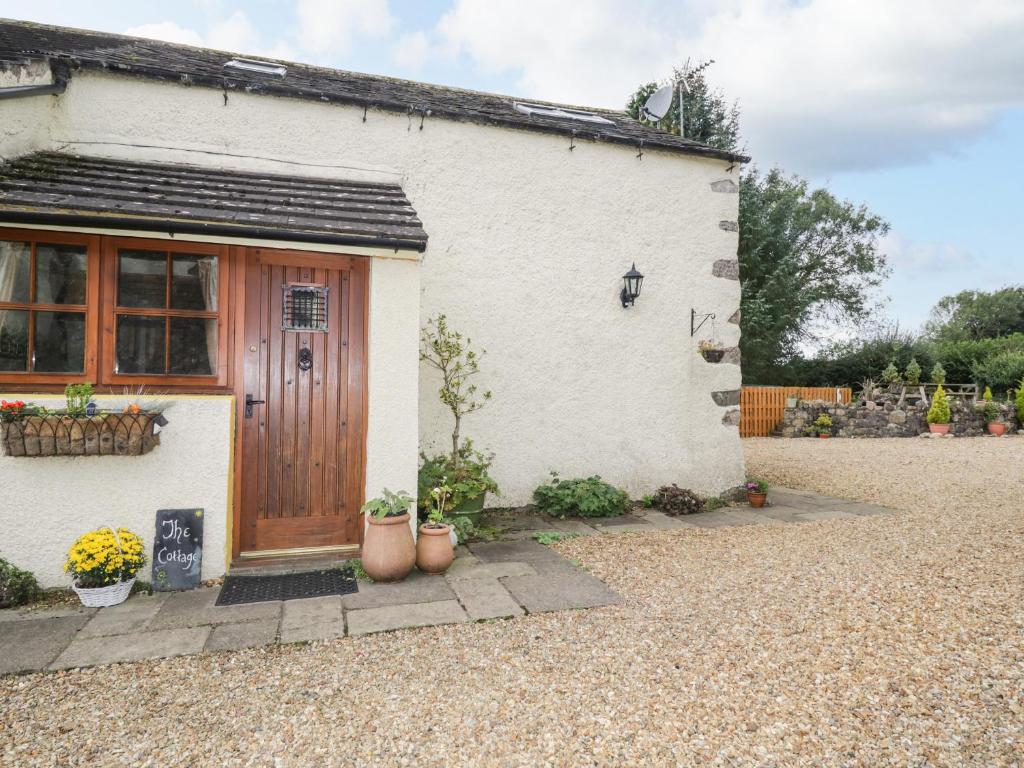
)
(287, 586)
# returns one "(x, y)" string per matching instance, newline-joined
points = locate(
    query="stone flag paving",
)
(494, 580)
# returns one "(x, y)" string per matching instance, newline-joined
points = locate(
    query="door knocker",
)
(305, 359)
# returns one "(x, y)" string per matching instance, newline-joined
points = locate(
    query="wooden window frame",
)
(101, 310)
(111, 246)
(91, 308)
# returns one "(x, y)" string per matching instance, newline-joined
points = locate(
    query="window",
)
(305, 307)
(166, 311)
(254, 65)
(561, 112)
(114, 311)
(44, 306)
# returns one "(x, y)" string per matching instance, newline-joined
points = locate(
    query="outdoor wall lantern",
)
(631, 282)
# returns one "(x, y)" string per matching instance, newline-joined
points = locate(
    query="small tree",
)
(938, 374)
(913, 372)
(453, 355)
(988, 394)
(891, 374)
(939, 412)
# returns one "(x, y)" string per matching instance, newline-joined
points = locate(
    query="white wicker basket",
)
(102, 597)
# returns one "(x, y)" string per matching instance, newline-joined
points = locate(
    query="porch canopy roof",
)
(61, 189)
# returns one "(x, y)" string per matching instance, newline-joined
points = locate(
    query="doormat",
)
(287, 586)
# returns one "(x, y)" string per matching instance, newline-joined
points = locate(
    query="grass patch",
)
(547, 538)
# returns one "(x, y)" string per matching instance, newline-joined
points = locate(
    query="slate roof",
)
(200, 66)
(55, 188)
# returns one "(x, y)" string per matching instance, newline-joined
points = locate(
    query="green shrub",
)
(913, 372)
(891, 374)
(467, 479)
(938, 374)
(939, 413)
(987, 397)
(673, 500)
(991, 412)
(17, 587)
(1002, 371)
(581, 497)
(1020, 402)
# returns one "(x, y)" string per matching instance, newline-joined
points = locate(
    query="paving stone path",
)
(494, 580)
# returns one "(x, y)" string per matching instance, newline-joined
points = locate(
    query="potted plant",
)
(993, 419)
(938, 413)
(434, 551)
(464, 470)
(912, 374)
(820, 427)
(103, 564)
(389, 552)
(757, 492)
(710, 350)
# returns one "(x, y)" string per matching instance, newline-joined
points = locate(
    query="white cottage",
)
(260, 243)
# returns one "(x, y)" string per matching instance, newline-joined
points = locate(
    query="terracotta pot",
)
(824, 435)
(997, 428)
(389, 552)
(434, 551)
(938, 429)
(756, 499)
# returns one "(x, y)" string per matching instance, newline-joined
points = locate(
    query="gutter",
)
(172, 228)
(56, 88)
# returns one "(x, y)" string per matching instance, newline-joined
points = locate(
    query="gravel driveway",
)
(891, 640)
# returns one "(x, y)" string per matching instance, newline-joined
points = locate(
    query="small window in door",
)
(305, 307)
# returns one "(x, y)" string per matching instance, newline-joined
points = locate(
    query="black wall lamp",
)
(631, 282)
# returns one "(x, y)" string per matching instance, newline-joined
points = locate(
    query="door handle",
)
(249, 403)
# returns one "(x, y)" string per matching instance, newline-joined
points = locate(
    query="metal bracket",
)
(694, 325)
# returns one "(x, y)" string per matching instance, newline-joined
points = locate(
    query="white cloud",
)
(330, 26)
(824, 85)
(235, 33)
(167, 31)
(909, 255)
(412, 51)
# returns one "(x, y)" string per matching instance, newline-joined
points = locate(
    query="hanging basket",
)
(103, 597)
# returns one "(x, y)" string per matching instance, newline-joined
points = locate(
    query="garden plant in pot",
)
(821, 426)
(434, 551)
(757, 492)
(389, 552)
(103, 564)
(939, 414)
(711, 350)
(993, 419)
(463, 469)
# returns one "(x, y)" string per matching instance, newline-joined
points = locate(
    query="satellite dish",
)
(657, 105)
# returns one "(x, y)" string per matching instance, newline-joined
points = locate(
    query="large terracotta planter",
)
(997, 428)
(434, 552)
(938, 429)
(389, 552)
(756, 499)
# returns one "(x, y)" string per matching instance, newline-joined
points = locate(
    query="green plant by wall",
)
(991, 412)
(17, 587)
(891, 374)
(673, 500)
(938, 374)
(580, 497)
(453, 355)
(466, 479)
(1020, 402)
(913, 372)
(78, 397)
(820, 426)
(988, 394)
(939, 412)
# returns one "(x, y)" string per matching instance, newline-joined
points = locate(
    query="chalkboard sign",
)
(177, 549)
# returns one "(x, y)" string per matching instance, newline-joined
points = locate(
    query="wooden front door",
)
(305, 375)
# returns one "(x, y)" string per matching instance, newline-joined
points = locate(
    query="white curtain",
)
(208, 280)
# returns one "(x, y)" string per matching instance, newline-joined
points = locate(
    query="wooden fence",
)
(761, 408)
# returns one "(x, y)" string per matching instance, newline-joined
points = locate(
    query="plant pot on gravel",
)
(389, 552)
(104, 564)
(939, 414)
(996, 428)
(757, 492)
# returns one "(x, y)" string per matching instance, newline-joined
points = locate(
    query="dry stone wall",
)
(886, 419)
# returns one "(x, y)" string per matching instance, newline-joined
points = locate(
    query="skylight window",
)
(560, 112)
(262, 67)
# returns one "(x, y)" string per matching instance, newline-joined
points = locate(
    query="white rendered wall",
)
(528, 242)
(47, 502)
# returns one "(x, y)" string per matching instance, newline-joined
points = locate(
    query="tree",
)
(453, 355)
(974, 315)
(804, 255)
(707, 116)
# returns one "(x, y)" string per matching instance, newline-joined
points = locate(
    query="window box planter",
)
(107, 434)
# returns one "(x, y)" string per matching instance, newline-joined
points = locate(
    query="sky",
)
(914, 108)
